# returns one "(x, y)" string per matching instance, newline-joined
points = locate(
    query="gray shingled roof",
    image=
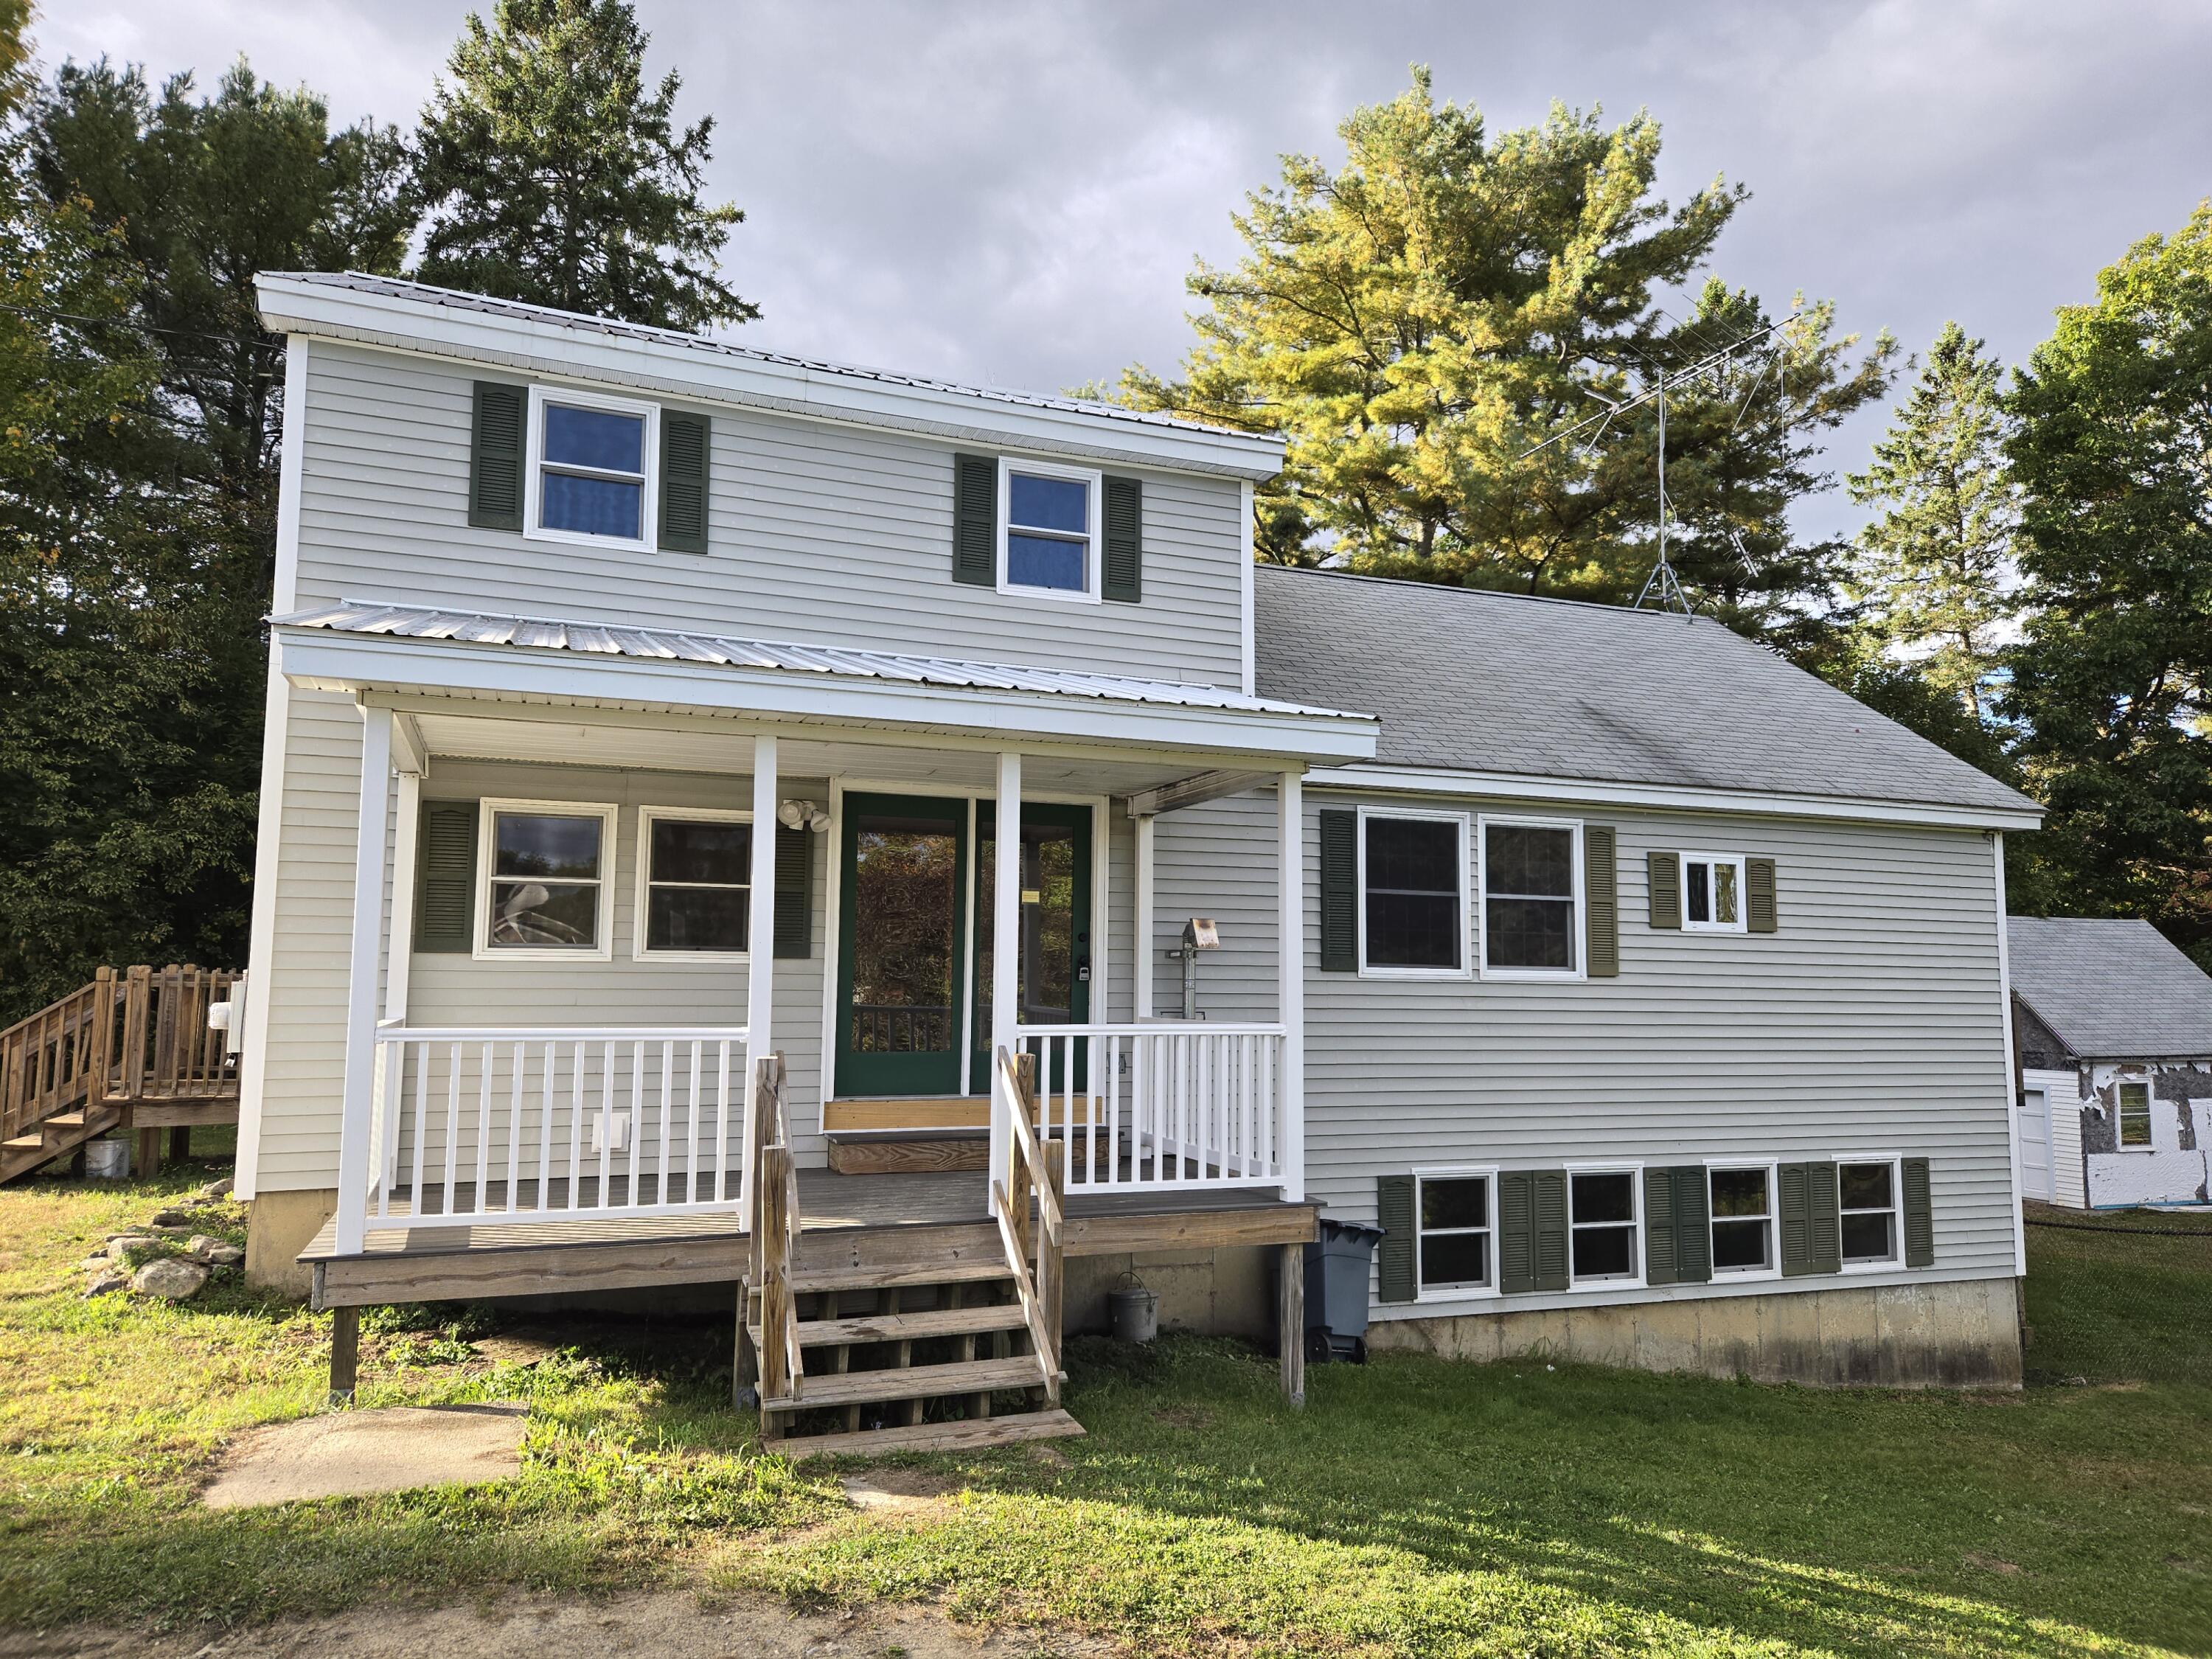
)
(2111, 990)
(1485, 681)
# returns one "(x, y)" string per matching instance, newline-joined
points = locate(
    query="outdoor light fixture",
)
(1199, 934)
(794, 813)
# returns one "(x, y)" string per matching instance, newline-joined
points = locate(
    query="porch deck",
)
(847, 1221)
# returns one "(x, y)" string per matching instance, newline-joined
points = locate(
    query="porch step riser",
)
(1053, 1424)
(910, 1326)
(865, 1157)
(913, 1382)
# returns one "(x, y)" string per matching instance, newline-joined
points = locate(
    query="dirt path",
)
(668, 1624)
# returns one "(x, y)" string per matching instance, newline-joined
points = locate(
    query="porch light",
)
(792, 813)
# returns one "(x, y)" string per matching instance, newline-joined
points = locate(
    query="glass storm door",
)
(903, 895)
(1053, 972)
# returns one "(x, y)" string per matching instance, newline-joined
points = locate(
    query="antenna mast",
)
(1660, 587)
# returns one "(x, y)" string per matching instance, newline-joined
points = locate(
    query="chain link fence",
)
(2119, 1296)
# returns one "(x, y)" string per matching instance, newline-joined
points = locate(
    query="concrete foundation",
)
(1956, 1334)
(278, 1226)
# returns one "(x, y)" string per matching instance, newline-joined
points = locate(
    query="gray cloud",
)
(1014, 192)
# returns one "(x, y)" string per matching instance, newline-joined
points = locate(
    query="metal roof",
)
(1468, 678)
(456, 300)
(419, 622)
(2111, 989)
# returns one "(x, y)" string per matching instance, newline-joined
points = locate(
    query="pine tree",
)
(551, 174)
(1933, 569)
(2113, 678)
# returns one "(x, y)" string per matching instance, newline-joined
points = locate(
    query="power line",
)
(47, 314)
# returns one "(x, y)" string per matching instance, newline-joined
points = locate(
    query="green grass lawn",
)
(1414, 1507)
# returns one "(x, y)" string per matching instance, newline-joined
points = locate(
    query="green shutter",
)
(686, 442)
(1665, 872)
(1516, 1235)
(1919, 1216)
(1124, 571)
(1812, 1234)
(794, 893)
(1550, 1215)
(445, 876)
(1759, 895)
(1601, 902)
(496, 447)
(1339, 891)
(1677, 1233)
(1395, 1278)
(976, 520)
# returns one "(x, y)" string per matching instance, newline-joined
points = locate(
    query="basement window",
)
(2135, 1114)
(1742, 1220)
(1455, 1213)
(1867, 1200)
(1603, 1220)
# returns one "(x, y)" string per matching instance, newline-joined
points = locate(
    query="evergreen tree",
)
(1932, 569)
(1419, 319)
(552, 175)
(2113, 679)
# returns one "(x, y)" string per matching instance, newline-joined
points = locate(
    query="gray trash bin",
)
(1336, 1290)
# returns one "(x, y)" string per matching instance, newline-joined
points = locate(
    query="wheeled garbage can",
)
(1336, 1291)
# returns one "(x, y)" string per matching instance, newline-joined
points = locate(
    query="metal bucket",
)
(1135, 1313)
(107, 1160)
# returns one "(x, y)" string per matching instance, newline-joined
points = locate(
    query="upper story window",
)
(589, 476)
(695, 882)
(1712, 894)
(1048, 540)
(1531, 898)
(544, 885)
(1413, 891)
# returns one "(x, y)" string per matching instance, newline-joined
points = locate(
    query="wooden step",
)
(33, 1142)
(913, 1383)
(905, 1326)
(67, 1120)
(885, 1279)
(907, 1112)
(974, 1431)
(910, 1152)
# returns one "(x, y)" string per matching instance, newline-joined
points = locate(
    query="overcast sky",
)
(1013, 192)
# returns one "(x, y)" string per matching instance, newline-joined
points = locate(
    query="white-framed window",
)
(1741, 1205)
(1605, 1225)
(2131, 1115)
(694, 884)
(1712, 893)
(1456, 1213)
(1048, 530)
(545, 880)
(1531, 922)
(590, 466)
(1867, 1205)
(1412, 892)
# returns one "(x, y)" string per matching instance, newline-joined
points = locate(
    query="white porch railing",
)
(1167, 1104)
(487, 1125)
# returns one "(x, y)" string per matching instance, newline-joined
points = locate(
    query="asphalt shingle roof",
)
(2111, 990)
(1470, 680)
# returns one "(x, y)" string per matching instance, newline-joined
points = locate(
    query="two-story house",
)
(1648, 992)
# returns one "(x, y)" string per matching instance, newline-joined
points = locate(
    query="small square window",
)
(1049, 541)
(590, 459)
(2135, 1113)
(1712, 894)
(1530, 910)
(1867, 1200)
(696, 883)
(1602, 1214)
(1455, 1228)
(1413, 876)
(545, 885)
(1742, 1221)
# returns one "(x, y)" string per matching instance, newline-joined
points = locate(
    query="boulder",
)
(214, 1252)
(169, 1277)
(106, 1284)
(123, 1244)
(216, 1189)
(171, 1218)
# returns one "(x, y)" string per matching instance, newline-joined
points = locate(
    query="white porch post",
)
(1290, 848)
(760, 939)
(361, 974)
(1006, 937)
(1140, 1006)
(398, 970)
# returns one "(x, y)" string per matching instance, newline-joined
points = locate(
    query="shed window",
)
(2135, 1113)
(1455, 1232)
(589, 477)
(697, 881)
(1712, 894)
(1742, 1220)
(1868, 1201)
(1413, 878)
(1530, 900)
(1601, 1217)
(1051, 538)
(545, 879)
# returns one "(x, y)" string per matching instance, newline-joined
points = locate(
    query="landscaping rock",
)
(214, 1251)
(216, 1189)
(170, 1278)
(171, 1218)
(106, 1284)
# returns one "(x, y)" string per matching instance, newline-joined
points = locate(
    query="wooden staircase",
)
(957, 1347)
(127, 1047)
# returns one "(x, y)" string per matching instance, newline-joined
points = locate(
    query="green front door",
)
(1053, 969)
(904, 893)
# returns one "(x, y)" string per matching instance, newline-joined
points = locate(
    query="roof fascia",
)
(1667, 797)
(524, 345)
(321, 659)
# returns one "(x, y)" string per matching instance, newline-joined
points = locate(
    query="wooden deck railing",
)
(1031, 1182)
(124, 1040)
(772, 1239)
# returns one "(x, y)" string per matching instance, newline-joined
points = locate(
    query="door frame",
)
(959, 817)
(841, 784)
(974, 1059)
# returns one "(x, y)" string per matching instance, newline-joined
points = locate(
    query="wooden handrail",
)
(130, 1038)
(1035, 1256)
(773, 1226)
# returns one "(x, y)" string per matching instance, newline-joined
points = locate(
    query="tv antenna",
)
(1661, 587)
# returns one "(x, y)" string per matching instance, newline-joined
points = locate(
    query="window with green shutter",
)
(495, 455)
(1919, 1215)
(1812, 1241)
(1601, 902)
(446, 877)
(1665, 874)
(1123, 580)
(976, 520)
(1759, 892)
(1340, 890)
(686, 445)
